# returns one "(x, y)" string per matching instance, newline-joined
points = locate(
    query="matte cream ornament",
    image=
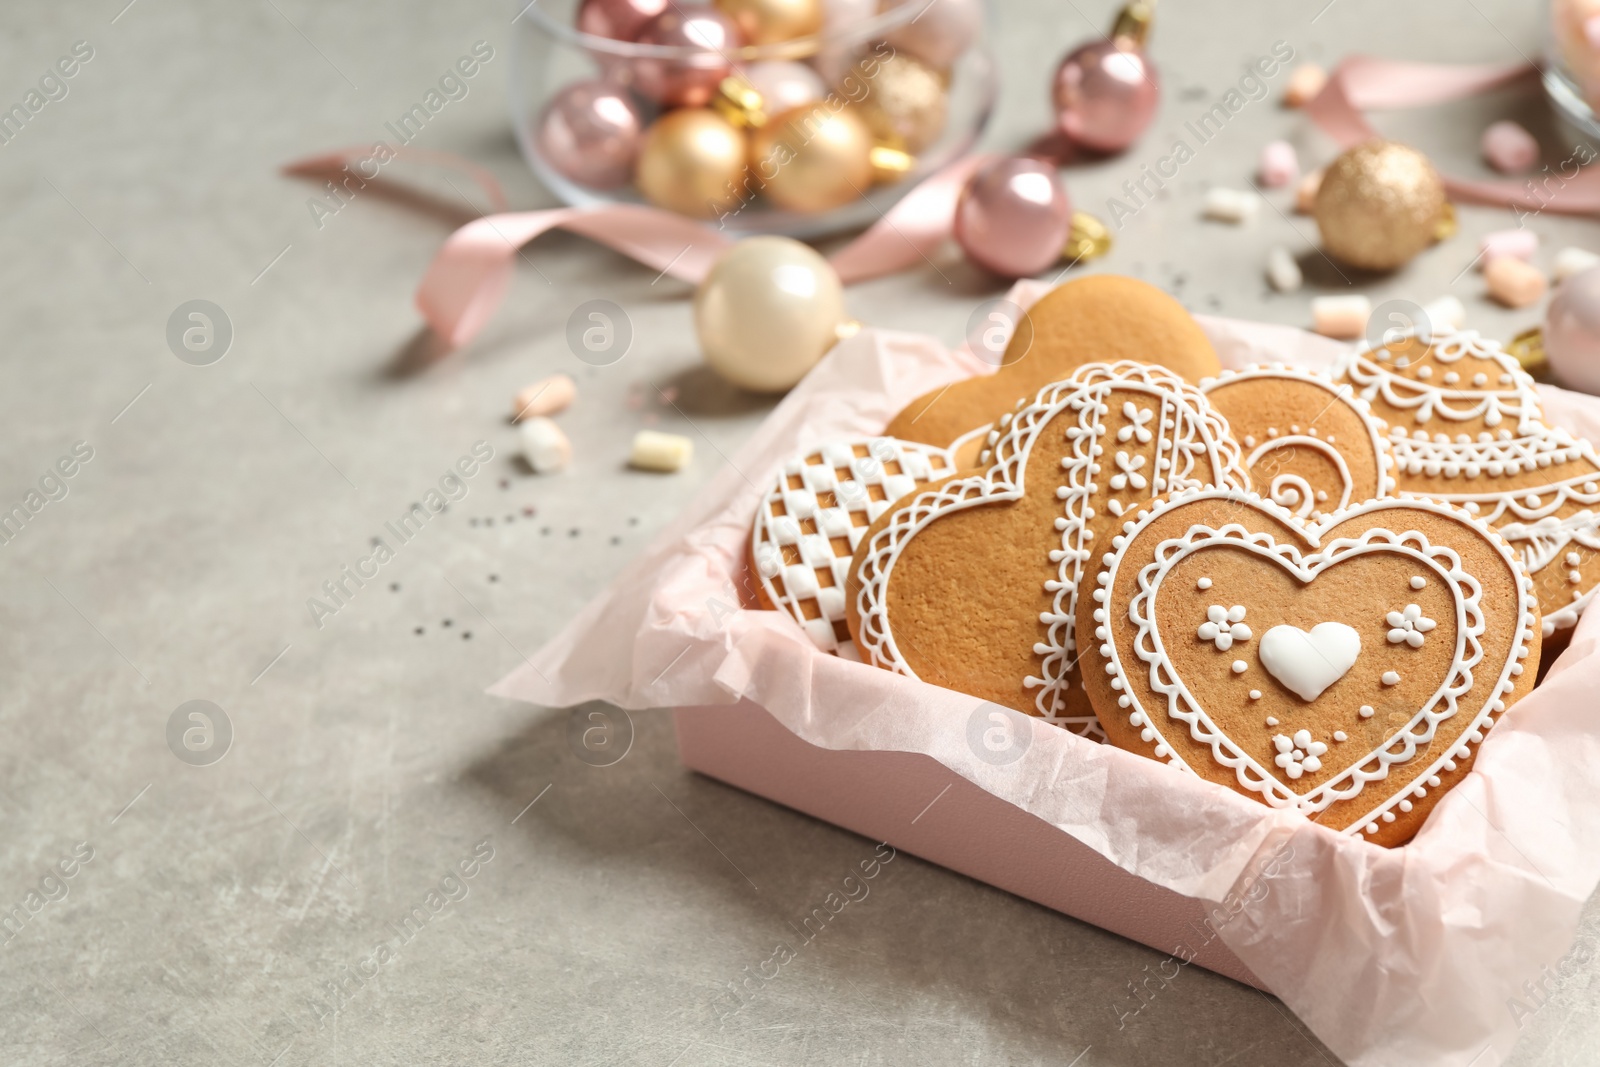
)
(813, 158)
(767, 312)
(1379, 204)
(691, 162)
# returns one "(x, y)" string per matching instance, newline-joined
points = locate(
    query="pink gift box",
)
(921, 807)
(1391, 956)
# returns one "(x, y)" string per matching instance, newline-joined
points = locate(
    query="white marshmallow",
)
(1282, 271)
(1343, 317)
(544, 445)
(654, 451)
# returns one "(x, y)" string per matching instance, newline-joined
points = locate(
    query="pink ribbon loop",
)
(1363, 83)
(468, 277)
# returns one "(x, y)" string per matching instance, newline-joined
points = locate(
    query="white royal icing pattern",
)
(1291, 490)
(1192, 449)
(1223, 626)
(842, 487)
(1461, 686)
(1298, 754)
(1520, 442)
(1308, 663)
(1409, 625)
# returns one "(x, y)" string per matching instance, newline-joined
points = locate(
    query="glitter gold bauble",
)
(905, 102)
(812, 158)
(771, 21)
(692, 162)
(1379, 205)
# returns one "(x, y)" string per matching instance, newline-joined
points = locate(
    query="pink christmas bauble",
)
(784, 84)
(1014, 217)
(940, 30)
(1105, 95)
(707, 35)
(621, 20)
(1572, 331)
(590, 132)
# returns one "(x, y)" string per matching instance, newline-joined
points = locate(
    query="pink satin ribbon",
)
(1362, 83)
(468, 277)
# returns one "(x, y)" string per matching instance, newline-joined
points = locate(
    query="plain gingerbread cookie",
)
(1102, 318)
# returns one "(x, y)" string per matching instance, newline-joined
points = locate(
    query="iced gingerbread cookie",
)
(1466, 427)
(970, 583)
(810, 521)
(1346, 669)
(1309, 442)
(1099, 319)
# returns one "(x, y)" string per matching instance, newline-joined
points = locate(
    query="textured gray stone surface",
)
(366, 765)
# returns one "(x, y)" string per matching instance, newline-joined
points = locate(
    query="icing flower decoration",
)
(1224, 626)
(1298, 754)
(1408, 626)
(1126, 475)
(1137, 417)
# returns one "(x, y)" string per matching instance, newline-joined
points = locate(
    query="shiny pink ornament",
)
(1106, 93)
(707, 36)
(784, 84)
(1014, 217)
(939, 31)
(1572, 332)
(590, 132)
(621, 20)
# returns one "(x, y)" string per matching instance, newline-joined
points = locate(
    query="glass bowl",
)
(1572, 68)
(549, 53)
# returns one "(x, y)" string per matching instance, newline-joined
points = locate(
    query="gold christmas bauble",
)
(692, 161)
(771, 21)
(1380, 204)
(813, 158)
(905, 105)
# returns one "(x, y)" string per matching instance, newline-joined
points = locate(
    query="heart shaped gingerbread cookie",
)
(1101, 318)
(1345, 669)
(1310, 442)
(809, 524)
(970, 583)
(1466, 426)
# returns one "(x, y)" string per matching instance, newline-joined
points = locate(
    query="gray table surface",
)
(221, 902)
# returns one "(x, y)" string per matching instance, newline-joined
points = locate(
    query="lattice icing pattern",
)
(818, 509)
(1466, 427)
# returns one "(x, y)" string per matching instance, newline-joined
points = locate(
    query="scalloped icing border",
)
(1009, 446)
(1204, 731)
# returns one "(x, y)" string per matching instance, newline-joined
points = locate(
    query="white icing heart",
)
(1307, 663)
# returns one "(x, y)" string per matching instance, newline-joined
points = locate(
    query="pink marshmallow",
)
(1509, 148)
(1508, 244)
(1279, 165)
